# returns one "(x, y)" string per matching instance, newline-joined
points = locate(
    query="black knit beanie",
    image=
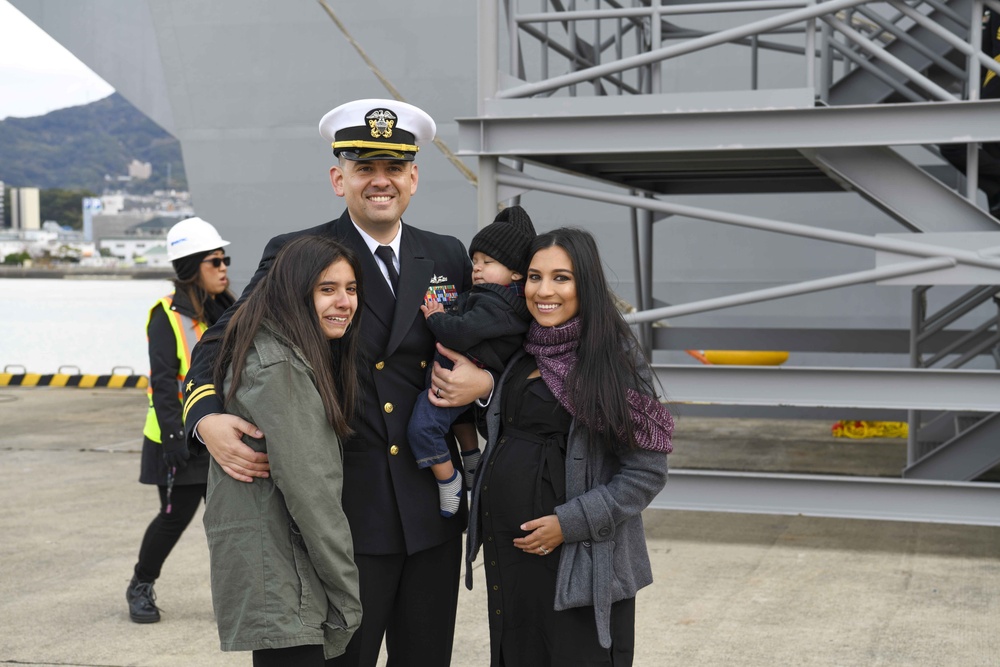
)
(507, 239)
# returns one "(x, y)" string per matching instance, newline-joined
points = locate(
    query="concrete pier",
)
(749, 590)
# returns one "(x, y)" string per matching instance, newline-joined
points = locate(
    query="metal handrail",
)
(661, 10)
(860, 28)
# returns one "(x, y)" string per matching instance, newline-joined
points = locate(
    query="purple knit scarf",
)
(554, 349)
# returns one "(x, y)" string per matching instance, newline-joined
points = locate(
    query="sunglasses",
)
(218, 261)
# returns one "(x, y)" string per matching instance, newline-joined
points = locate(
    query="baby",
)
(487, 324)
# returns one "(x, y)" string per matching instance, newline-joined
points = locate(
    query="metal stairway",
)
(953, 445)
(894, 184)
(584, 88)
(967, 448)
(915, 45)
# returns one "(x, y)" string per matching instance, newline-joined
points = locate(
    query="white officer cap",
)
(376, 129)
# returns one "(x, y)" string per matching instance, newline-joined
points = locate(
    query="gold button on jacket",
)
(380, 365)
(387, 407)
(394, 450)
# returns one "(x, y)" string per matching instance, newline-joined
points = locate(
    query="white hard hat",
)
(192, 236)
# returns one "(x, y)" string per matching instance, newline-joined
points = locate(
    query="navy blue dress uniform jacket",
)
(392, 506)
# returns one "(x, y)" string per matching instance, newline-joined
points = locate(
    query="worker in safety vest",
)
(175, 323)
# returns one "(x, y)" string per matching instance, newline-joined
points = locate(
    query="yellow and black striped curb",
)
(66, 380)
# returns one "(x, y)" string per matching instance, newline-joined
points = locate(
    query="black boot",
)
(142, 602)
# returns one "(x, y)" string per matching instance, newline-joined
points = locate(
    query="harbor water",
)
(94, 326)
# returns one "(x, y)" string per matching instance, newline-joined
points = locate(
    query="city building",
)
(112, 204)
(131, 248)
(25, 209)
(140, 171)
(156, 258)
(135, 222)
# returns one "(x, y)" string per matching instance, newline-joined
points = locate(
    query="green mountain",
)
(76, 148)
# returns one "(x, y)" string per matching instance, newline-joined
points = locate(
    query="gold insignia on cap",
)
(381, 121)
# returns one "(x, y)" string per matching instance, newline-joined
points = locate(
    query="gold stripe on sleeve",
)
(198, 394)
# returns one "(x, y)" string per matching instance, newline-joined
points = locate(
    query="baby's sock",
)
(470, 460)
(450, 495)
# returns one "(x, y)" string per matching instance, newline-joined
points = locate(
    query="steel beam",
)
(611, 126)
(887, 243)
(893, 388)
(487, 82)
(903, 190)
(970, 503)
(870, 341)
(916, 267)
(831, 415)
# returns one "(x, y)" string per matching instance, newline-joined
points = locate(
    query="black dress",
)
(525, 480)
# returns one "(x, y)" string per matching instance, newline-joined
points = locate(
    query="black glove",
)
(175, 450)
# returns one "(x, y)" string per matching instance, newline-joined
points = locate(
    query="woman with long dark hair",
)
(284, 582)
(175, 324)
(577, 445)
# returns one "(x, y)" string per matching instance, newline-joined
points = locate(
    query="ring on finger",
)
(545, 552)
(437, 392)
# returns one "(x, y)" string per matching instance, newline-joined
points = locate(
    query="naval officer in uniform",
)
(408, 555)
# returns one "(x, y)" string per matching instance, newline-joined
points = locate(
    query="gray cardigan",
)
(604, 558)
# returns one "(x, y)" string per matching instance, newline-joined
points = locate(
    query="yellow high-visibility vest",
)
(187, 332)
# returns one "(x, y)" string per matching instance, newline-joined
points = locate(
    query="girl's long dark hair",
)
(284, 297)
(606, 357)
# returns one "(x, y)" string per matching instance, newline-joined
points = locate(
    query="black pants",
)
(293, 656)
(412, 601)
(167, 528)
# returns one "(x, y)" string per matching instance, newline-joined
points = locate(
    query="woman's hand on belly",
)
(544, 535)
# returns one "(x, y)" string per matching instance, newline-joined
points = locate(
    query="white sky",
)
(37, 75)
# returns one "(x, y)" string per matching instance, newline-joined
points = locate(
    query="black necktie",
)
(385, 253)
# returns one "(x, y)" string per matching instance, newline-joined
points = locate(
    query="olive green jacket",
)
(283, 571)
